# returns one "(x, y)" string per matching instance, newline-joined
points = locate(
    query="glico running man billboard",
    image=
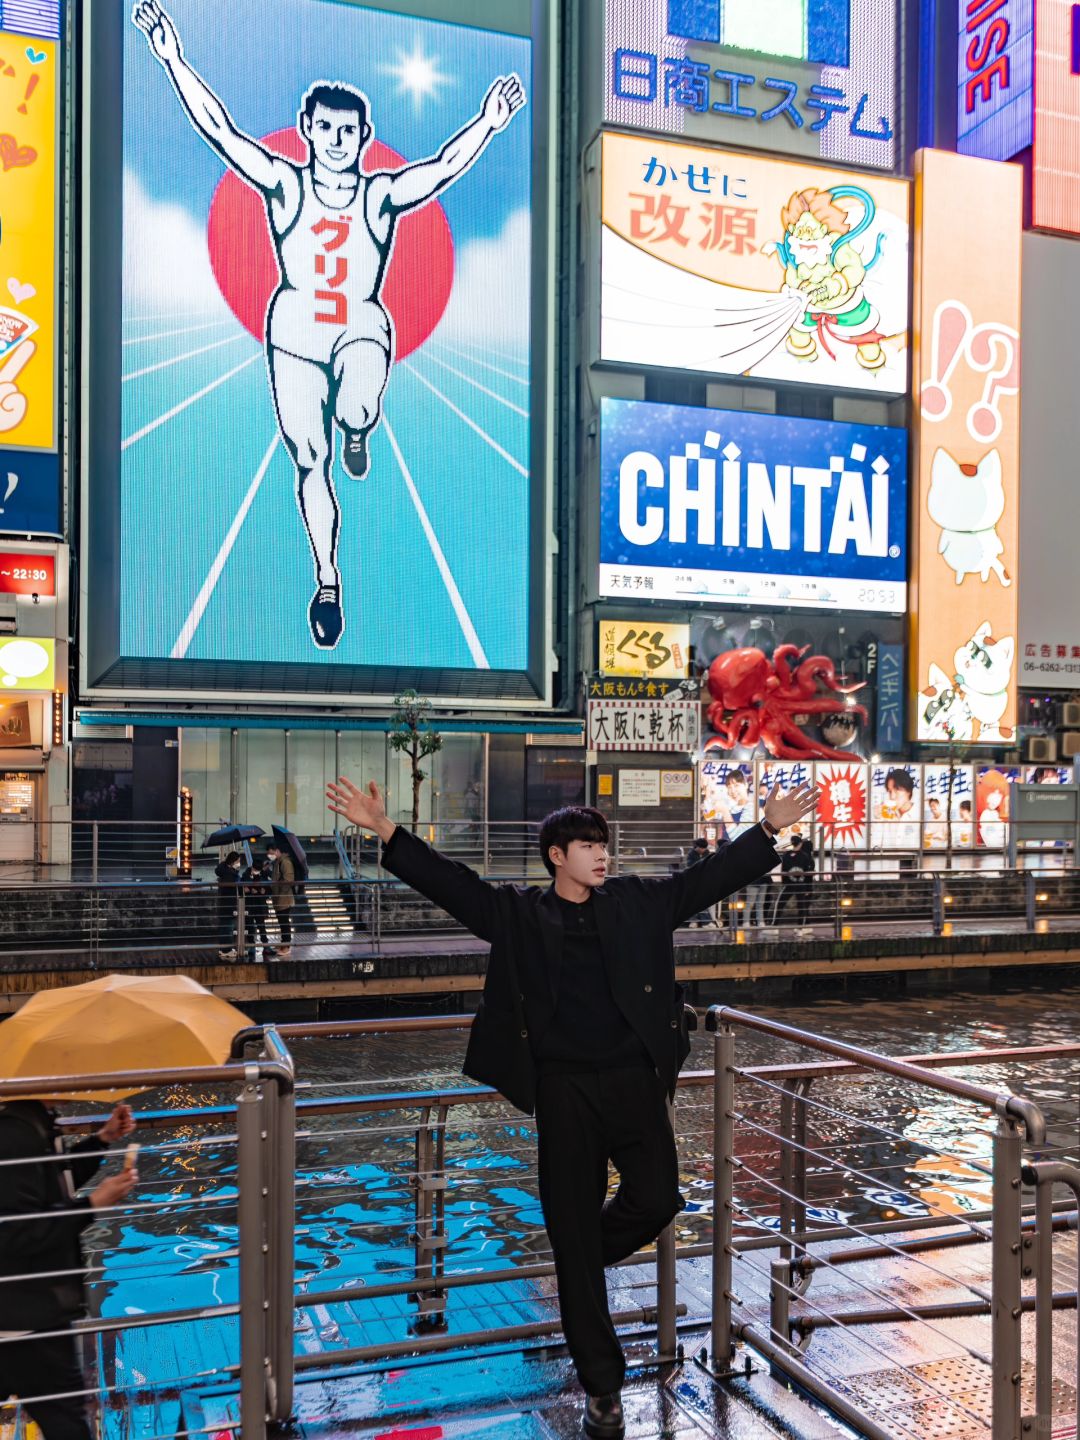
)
(327, 373)
(757, 509)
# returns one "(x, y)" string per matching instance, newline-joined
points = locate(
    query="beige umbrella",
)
(118, 1022)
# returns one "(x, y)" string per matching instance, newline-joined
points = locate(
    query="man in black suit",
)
(582, 1020)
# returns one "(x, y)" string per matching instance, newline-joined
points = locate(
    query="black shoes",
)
(603, 1418)
(325, 617)
(354, 454)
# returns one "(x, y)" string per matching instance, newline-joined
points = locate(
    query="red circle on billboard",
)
(418, 280)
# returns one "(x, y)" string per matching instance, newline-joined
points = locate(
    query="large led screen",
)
(327, 429)
(713, 505)
(736, 264)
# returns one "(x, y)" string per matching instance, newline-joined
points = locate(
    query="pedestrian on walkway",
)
(44, 1252)
(255, 883)
(699, 851)
(583, 1021)
(797, 866)
(282, 893)
(228, 879)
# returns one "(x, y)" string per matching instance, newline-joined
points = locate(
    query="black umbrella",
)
(232, 835)
(288, 842)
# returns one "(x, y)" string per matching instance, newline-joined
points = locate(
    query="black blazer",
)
(635, 917)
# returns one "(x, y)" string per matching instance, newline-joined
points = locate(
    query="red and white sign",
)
(22, 574)
(842, 805)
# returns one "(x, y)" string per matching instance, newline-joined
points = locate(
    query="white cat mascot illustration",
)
(944, 712)
(984, 667)
(967, 501)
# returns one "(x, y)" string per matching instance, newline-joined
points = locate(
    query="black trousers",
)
(46, 1367)
(583, 1121)
(284, 920)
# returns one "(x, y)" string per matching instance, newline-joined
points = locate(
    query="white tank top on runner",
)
(331, 273)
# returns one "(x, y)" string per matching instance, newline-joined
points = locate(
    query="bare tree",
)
(411, 734)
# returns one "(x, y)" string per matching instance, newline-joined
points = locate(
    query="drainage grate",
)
(963, 1410)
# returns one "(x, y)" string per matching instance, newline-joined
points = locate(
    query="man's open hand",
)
(505, 97)
(784, 810)
(364, 808)
(156, 24)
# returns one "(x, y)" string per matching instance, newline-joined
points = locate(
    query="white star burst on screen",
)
(417, 75)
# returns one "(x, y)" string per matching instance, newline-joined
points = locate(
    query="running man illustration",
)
(329, 340)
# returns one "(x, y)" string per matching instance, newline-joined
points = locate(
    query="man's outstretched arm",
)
(453, 886)
(737, 864)
(251, 161)
(417, 184)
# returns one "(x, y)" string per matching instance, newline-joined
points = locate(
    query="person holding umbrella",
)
(228, 879)
(113, 1023)
(255, 890)
(282, 892)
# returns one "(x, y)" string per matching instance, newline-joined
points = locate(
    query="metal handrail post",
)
(937, 906)
(1005, 1283)
(94, 852)
(1044, 1175)
(780, 1307)
(1044, 1308)
(241, 937)
(251, 1214)
(282, 1186)
(667, 1335)
(1029, 900)
(723, 1195)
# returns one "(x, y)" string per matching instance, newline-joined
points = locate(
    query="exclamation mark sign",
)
(31, 86)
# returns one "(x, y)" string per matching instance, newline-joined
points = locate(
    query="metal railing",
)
(785, 1155)
(102, 850)
(782, 1175)
(197, 923)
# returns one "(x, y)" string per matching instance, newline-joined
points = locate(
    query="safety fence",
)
(116, 850)
(351, 1224)
(201, 924)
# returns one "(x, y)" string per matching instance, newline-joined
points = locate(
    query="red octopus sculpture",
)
(761, 698)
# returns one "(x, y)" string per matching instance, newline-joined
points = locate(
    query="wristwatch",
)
(770, 830)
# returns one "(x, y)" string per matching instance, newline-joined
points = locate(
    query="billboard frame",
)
(107, 676)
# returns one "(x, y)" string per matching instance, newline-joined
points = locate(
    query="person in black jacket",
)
(582, 1020)
(255, 881)
(44, 1256)
(797, 864)
(228, 879)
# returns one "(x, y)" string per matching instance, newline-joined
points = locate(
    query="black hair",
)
(902, 780)
(1040, 771)
(232, 856)
(335, 97)
(965, 805)
(701, 843)
(572, 822)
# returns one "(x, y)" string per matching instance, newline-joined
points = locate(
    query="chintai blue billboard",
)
(700, 504)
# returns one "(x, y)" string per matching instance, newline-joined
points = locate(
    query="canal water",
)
(882, 1150)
